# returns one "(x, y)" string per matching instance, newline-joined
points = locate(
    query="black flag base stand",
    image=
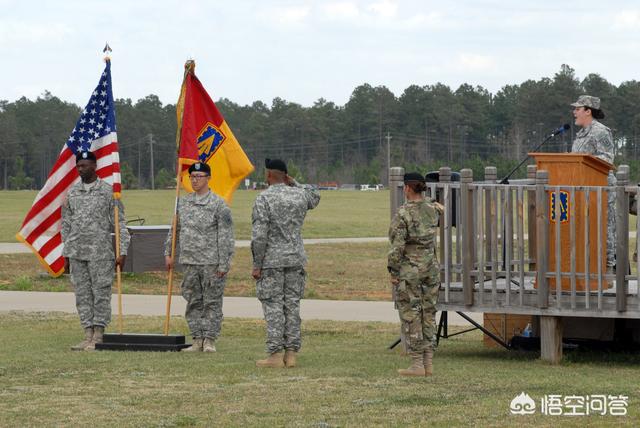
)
(142, 342)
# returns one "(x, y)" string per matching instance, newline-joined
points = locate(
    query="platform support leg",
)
(551, 339)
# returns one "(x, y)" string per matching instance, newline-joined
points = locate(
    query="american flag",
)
(95, 131)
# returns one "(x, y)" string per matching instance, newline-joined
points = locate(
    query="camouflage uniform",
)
(205, 242)
(412, 260)
(87, 223)
(276, 245)
(596, 140)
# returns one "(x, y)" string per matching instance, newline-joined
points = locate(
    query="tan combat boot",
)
(88, 336)
(290, 358)
(208, 346)
(196, 346)
(428, 362)
(274, 360)
(417, 365)
(98, 332)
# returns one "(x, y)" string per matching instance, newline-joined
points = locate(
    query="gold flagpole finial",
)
(190, 66)
(107, 51)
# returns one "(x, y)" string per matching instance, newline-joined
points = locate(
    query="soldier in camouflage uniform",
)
(415, 273)
(595, 139)
(279, 260)
(205, 238)
(87, 222)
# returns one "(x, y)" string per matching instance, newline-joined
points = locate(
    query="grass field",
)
(336, 271)
(340, 213)
(346, 377)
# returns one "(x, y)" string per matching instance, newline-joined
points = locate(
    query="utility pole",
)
(139, 175)
(426, 141)
(388, 157)
(449, 154)
(153, 179)
(464, 141)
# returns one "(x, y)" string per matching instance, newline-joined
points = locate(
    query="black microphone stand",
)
(505, 180)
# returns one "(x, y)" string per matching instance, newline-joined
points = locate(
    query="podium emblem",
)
(561, 201)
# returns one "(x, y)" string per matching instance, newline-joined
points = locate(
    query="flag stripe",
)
(65, 161)
(57, 267)
(50, 246)
(57, 189)
(55, 255)
(42, 215)
(44, 225)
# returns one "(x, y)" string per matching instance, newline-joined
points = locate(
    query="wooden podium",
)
(576, 169)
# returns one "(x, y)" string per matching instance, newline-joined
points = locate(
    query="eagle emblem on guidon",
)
(210, 139)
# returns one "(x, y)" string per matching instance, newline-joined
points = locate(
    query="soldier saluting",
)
(415, 273)
(87, 223)
(205, 238)
(279, 260)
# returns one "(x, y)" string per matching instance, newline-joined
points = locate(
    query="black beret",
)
(85, 156)
(413, 176)
(275, 164)
(200, 167)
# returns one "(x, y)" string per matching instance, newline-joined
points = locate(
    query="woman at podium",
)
(595, 139)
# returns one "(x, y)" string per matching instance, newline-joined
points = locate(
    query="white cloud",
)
(384, 8)
(430, 21)
(627, 20)
(295, 15)
(16, 32)
(341, 10)
(475, 62)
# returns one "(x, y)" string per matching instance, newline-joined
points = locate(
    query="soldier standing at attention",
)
(279, 260)
(595, 139)
(87, 223)
(205, 238)
(415, 273)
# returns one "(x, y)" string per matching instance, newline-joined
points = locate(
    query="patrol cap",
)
(200, 167)
(587, 101)
(85, 156)
(413, 176)
(591, 102)
(276, 164)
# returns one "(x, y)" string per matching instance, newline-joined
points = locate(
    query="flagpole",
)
(188, 67)
(116, 217)
(116, 214)
(174, 223)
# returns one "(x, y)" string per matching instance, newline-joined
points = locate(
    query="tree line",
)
(423, 128)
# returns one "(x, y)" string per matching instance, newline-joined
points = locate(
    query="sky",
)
(301, 51)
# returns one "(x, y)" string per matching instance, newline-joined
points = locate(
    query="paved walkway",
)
(16, 247)
(243, 307)
(13, 248)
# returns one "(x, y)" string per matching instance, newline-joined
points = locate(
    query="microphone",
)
(560, 130)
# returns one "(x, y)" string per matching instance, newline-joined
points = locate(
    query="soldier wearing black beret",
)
(279, 260)
(87, 222)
